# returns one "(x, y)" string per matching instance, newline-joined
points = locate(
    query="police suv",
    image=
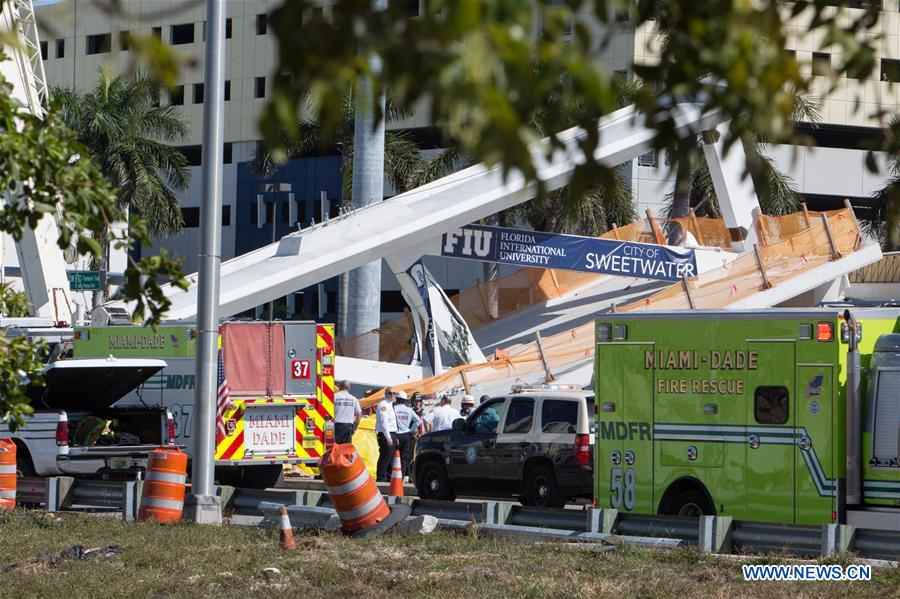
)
(535, 443)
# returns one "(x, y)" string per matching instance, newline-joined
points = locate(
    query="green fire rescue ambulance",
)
(779, 416)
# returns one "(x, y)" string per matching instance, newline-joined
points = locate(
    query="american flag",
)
(223, 398)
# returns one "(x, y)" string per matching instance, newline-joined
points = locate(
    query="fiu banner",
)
(569, 252)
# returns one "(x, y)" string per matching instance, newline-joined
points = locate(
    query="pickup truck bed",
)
(81, 391)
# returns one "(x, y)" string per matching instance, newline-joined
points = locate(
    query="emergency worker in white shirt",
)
(347, 414)
(407, 423)
(441, 419)
(386, 429)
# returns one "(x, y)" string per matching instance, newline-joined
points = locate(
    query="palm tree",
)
(884, 221)
(694, 188)
(128, 134)
(405, 167)
(404, 164)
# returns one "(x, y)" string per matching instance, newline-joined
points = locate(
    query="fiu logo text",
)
(468, 242)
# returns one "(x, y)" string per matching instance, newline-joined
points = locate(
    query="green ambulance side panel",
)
(705, 371)
(135, 342)
(624, 430)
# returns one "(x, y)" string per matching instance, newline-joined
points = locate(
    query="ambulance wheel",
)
(433, 482)
(541, 489)
(692, 503)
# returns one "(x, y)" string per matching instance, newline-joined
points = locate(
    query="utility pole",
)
(203, 506)
(363, 288)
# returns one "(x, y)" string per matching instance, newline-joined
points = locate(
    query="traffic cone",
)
(286, 535)
(396, 476)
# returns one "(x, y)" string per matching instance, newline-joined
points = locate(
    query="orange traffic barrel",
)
(356, 499)
(163, 496)
(7, 474)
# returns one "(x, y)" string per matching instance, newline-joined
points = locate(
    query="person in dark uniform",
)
(407, 424)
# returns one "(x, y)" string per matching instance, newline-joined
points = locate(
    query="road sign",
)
(84, 280)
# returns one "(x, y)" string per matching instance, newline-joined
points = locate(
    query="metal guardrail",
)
(714, 534)
(878, 544)
(64, 493)
(760, 537)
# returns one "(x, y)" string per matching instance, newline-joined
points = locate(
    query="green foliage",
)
(404, 165)
(45, 171)
(128, 133)
(12, 303)
(472, 64)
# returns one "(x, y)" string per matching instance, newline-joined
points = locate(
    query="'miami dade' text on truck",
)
(786, 416)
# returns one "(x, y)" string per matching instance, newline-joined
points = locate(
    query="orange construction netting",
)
(789, 248)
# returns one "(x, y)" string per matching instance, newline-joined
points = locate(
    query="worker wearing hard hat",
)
(468, 404)
(407, 422)
(386, 429)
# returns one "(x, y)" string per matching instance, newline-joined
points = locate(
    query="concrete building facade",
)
(79, 38)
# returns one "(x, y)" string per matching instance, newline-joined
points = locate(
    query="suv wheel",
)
(541, 489)
(433, 482)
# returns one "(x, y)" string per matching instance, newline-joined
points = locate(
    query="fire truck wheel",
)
(541, 489)
(433, 482)
(692, 503)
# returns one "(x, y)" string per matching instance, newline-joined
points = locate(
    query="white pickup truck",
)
(74, 431)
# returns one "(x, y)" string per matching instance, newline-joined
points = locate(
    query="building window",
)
(821, 62)
(193, 154)
(124, 41)
(622, 16)
(286, 212)
(176, 96)
(254, 217)
(270, 213)
(44, 50)
(157, 32)
(228, 91)
(770, 405)
(226, 153)
(182, 34)
(198, 93)
(98, 44)
(647, 159)
(890, 70)
(301, 213)
(262, 24)
(60, 48)
(191, 217)
(259, 87)
(226, 215)
(228, 29)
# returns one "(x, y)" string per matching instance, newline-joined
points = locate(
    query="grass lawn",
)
(193, 561)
